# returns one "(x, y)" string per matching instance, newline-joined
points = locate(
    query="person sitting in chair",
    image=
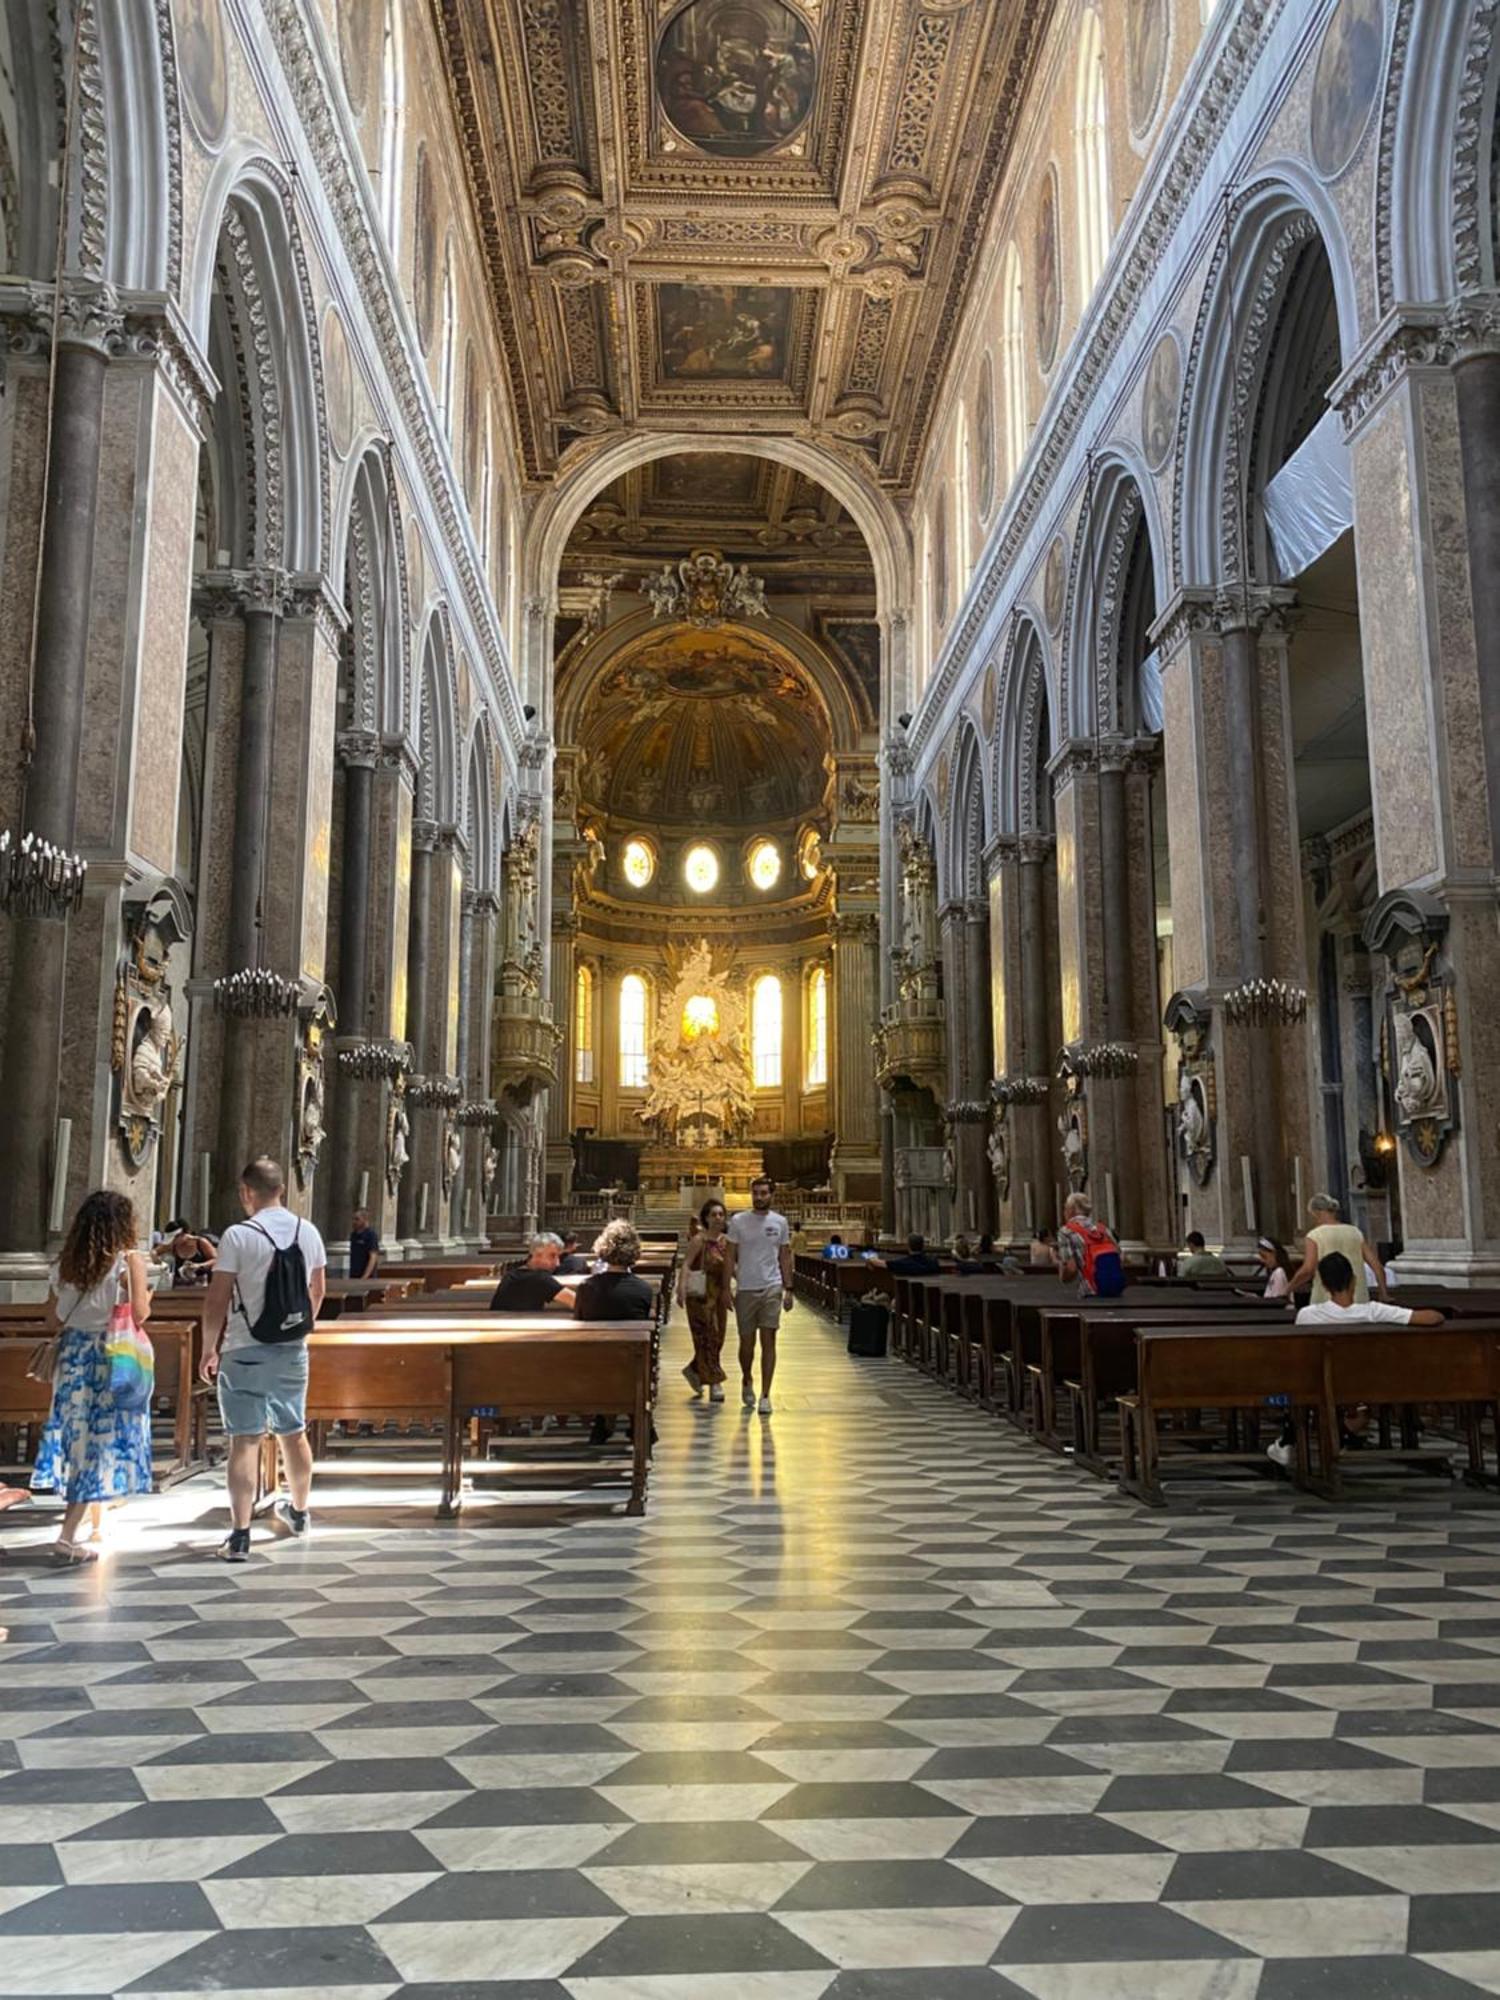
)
(533, 1286)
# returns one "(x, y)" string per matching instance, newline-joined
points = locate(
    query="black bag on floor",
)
(869, 1328)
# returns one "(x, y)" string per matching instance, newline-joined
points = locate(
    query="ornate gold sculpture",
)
(701, 1084)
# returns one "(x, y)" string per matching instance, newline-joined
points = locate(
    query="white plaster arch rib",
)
(587, 666)
(1123, 499)
(968, 818)
(251, 232)
(1022, 732)
(141, 142)
(1434, 200)
(370, 573)
(1273, 223)
(592, 467)
(437, 723)
(480, 862)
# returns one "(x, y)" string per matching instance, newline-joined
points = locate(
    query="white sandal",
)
(70, 1555)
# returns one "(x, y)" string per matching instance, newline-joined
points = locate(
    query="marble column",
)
(1023, 957)
(34, 1022)
(358, 751)
(1236, 891)
(1418, 405)
(854, 1111)
(263, 600)
(481, 913)
(418, 1008)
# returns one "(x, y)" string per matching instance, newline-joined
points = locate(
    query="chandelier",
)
(1102, 1059)
(704, 589)
(38, 879)
(373, 1062)
(1020, 1089)
(1259, 1003)
(477, 1111)
(434, 1092)
(258, 995)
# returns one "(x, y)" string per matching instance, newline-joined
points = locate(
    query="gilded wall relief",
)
(725, 333)
(338, 382)
(202, 67)
(424, 250)
(736, 77)
(1160, 399)
(1146, 65)
(1046, 273)
(1345, 82)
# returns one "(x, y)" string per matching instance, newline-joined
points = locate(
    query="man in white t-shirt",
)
(760, 1267)
(262, 1383)
(1341, 1304)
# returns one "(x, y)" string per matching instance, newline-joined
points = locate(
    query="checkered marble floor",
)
(878, 1703)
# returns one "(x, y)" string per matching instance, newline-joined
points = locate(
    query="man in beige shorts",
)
(760, 1270)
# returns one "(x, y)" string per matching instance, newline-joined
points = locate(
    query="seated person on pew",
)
(614, 1293)
(835, 1250)
(917, 1263)
(1200, 1261)
(1044, 1245)
(1341, 1306)
(573, 1263)
(532, 1286)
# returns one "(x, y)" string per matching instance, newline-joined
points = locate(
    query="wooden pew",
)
(453, 1368)
(177, 1345)
(1307, 1372)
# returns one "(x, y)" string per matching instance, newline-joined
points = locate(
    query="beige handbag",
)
(42, 1366)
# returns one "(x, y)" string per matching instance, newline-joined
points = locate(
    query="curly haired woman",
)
(707, 1304)
(91, 1452)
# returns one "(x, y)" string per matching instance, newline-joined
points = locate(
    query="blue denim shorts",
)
(264, 1389)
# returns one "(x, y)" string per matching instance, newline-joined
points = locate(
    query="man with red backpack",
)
(1088, 1252)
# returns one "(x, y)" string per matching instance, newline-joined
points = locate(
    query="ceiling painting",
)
(735, 77)
(678, 204)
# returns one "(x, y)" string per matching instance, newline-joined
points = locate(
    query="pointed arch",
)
(1024, 739)
(480, 824)
(437, 724)
(1123, 543)
(968, 819)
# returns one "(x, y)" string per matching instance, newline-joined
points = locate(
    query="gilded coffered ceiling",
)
(734, 215)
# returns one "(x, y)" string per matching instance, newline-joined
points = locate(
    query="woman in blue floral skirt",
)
(92, 1453)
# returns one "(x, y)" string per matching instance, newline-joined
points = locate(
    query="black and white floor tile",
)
(878, 1703)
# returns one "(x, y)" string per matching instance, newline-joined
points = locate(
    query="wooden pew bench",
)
(453, 1369)
(1305, 1375)
(180, 1398)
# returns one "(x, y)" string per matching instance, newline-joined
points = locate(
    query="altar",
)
(686, 1176)
(700, 1100)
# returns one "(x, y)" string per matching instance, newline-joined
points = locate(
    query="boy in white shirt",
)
(1337, 1276)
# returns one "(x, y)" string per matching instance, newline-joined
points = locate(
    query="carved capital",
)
(1200, 613)
(1412, 339)
(1036, 848)
(312, 597)
(480, 903)
(233, 593)
(90, 315)
(424, 836)
(398, 754)
(358, 747)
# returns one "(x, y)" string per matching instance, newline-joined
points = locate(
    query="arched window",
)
(392, 111)
(1091, 143)
(486, 483)
(1013, 364)
(817, 1029)
(963, 488)
(448, 367)
(634, 1063)
(583, 1026)
(765, 1031)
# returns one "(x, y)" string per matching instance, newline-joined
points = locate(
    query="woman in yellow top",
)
(1328, 1234)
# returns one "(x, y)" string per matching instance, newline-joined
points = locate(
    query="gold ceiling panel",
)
(732, 215)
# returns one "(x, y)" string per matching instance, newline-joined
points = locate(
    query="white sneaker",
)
(691, 1376)
(747, 1396)
(716, 1393)
(765, 1406)
(1281, 1454)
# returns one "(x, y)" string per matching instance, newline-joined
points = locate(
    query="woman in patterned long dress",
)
(92, 1453)
(703, 1287)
